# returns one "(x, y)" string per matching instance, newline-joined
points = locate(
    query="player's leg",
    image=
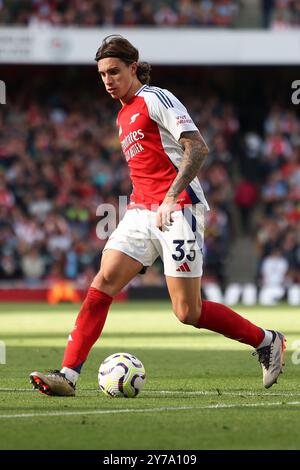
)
(182, 257)
(192, 310)
(126, 252)
(117, 269)
(185, 298)
(213, 316)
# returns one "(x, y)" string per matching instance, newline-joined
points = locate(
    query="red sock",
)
(221, 319)
(88, 327)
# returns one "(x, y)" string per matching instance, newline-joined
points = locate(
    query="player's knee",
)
(105, 281)
(186, 312)
(107, 276)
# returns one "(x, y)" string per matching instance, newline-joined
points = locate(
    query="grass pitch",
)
(203, 391)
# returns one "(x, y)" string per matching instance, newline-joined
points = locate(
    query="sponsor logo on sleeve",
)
(183, 119)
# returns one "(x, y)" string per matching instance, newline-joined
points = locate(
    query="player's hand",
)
(164, 217)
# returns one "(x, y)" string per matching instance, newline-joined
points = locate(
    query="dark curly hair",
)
(119, 47)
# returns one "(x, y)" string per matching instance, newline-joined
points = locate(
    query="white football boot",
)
(271, 359)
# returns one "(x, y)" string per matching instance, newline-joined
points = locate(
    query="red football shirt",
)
(150, 125)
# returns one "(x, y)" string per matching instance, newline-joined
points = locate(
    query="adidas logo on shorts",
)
(183, 268)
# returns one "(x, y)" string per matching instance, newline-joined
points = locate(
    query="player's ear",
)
(134, 67)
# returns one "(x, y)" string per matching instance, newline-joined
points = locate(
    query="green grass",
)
(203, 391)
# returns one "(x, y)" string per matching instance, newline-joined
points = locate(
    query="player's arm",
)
(195, 152)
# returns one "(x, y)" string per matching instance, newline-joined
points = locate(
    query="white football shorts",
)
(180, 247)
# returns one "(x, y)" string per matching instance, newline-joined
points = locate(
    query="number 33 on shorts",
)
(180, 250)
(187, 256)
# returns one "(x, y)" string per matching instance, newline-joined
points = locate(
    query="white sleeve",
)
(167, 111)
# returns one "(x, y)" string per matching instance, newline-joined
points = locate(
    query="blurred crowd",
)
(280, 14)
(278, 228)
(218, 13)
(60, 159)
(274, 14)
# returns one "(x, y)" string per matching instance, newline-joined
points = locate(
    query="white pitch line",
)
(16, 390)
(182, 392)
(149, 410)
(220, 393)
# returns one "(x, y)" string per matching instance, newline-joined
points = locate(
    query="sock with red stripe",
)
(221, 319)
(87, 329)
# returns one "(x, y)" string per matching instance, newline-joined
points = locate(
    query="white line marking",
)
(220, 392)
(149, 410)
(16, 390)
(234, 393)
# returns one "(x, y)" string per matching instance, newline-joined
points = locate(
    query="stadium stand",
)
(60, 158)
(218, 13)
(274, 14)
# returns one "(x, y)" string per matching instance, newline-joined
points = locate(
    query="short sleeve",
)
(167, 111)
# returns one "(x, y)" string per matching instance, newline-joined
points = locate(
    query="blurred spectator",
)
(166, 16)
(282, 15)
(295, 9)
(7, 200)
(40, 205)
(224, 13)
(289, 249)
(216, 244)
(9, 269)
(274, 191)
(152, 277)
(274, 269)
(246, 196)
(33, 265)
(267, 9)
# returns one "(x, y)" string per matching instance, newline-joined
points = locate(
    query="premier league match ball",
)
(121, 375)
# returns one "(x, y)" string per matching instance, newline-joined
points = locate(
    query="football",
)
(121, 375)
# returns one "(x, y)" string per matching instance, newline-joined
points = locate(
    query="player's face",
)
(117, 76)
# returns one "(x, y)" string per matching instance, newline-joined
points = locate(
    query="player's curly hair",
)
(117, 46)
